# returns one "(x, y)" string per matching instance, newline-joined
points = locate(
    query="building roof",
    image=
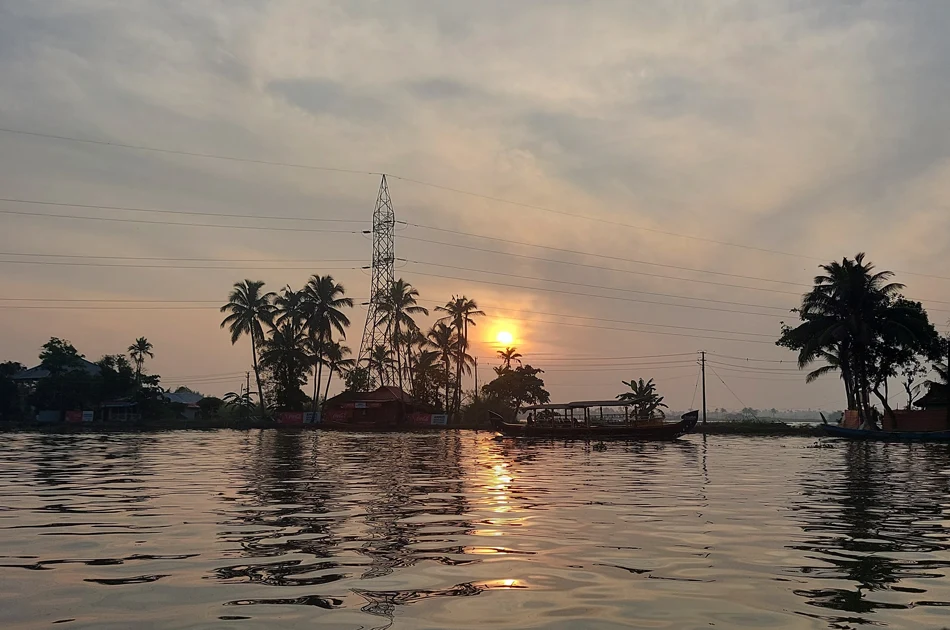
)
(39, 372)
(184, 398)
(386, 393)
(936, 397)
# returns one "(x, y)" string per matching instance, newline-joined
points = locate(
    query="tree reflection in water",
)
(871, 527)
(354, 507)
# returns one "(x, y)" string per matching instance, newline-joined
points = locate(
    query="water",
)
(264, 529)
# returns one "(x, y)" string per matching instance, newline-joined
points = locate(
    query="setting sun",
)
(504, 337)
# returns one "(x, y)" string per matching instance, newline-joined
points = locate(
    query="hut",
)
(386, 407)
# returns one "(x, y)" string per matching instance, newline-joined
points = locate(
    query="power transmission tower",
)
(376, 330)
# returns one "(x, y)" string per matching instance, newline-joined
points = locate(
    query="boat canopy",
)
(551, 406)
(582, 404)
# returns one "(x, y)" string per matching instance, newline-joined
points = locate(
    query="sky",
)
(656, 178)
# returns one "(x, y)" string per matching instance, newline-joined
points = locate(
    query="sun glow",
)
(504, 337)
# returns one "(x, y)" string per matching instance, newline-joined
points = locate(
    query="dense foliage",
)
(857, 322)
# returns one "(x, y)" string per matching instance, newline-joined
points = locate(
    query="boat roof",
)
(579, 404)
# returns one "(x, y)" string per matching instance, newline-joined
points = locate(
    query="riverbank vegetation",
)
(858, 324)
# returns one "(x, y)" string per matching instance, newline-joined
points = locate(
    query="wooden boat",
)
(886, 436)
(590, 426)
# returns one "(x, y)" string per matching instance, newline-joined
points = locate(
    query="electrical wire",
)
(594, 286)
(186, 212)
(592, 295)
(141, 147)
(178, 223)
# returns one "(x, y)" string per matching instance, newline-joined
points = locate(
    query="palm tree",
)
(397, 308)
(835, 363)
(460, 312)
(853, 312)
(289, 306)
(248, 309)
(324, 298)
(381, 360)
(443, 339)
(508, 355)
(425, 377)
(643, 398)
(337, 361)
(286, 356)
(138, 351)
(415, 343)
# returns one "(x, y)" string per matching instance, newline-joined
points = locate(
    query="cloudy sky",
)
(680, 149)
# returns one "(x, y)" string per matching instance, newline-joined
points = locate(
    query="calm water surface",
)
(265, 529)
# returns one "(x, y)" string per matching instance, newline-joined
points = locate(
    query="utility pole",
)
(476, 378)
(248, 390)
(702, 363)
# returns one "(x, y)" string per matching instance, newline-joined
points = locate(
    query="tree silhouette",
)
(460, 313)
(249, 308)
(508, 355)
(138, 351)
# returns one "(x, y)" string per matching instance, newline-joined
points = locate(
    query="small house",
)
(186, 403)
(386, 407)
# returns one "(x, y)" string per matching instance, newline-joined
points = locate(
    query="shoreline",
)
(754, 429)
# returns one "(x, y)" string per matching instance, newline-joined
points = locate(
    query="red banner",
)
(74, 416)
(290, 417)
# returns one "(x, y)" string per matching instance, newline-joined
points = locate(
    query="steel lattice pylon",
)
(375, 331)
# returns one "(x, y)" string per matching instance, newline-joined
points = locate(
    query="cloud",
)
(817, 128)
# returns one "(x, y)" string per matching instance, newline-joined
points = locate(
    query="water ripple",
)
(459, 530)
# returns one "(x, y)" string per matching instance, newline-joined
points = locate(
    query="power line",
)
(140, 147)
(624, 321)
(757, 369)
(726, 356)
(186, 212)
(648, 332)
(730, 390)
(460, 191)
(593, 295)
(275, 261)
(595, 286)
(121, 266)
(204, 225)
(591, 254)
(625, 271)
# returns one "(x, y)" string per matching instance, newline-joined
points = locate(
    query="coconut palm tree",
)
(381, 361)
(426, 375)
(836, 361)
(460, 312)
(323, 301)
(249, 308)
(397, 308)
(337, 356)
(138, 351)
(289, 308)
(415, 344)
(284, 353)
(444, 340)
(508, 355)
(858, 311)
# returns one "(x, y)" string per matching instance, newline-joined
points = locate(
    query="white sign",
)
(88, 416)
(360, 405)
(312, 417)
(441, 419)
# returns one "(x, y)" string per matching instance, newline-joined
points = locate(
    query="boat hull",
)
(886, 436)
(656, 431)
